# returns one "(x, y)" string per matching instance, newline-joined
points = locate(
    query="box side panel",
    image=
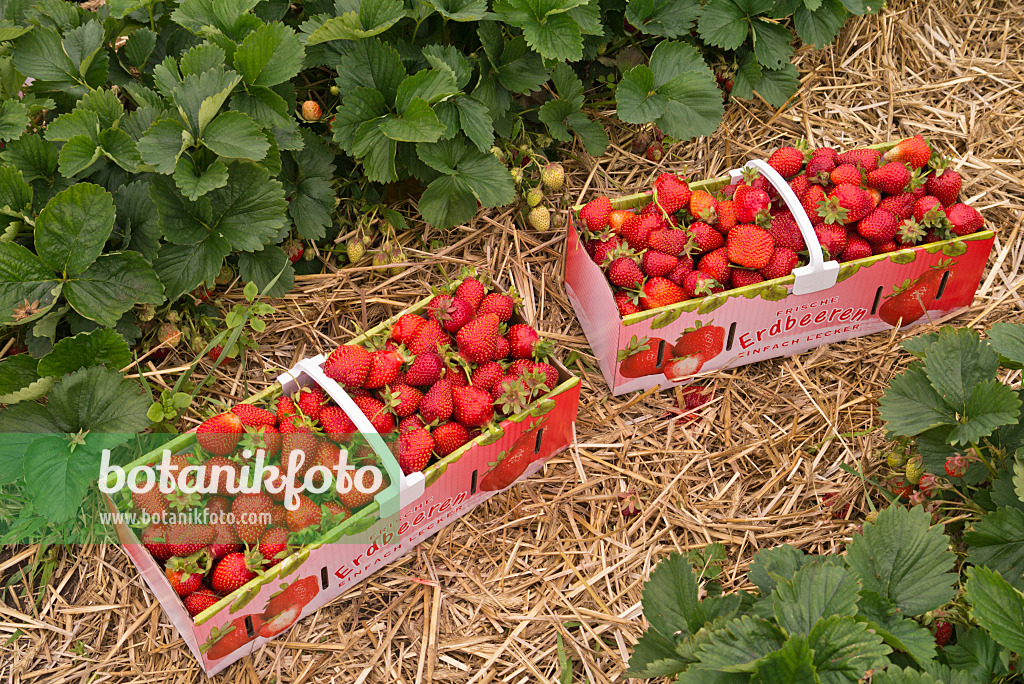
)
(593, 302)
(767, 326)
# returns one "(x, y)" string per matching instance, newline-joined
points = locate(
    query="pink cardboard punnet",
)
(411, 509)
(825, 301)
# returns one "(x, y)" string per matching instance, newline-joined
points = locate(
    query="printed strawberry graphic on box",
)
(787, 255)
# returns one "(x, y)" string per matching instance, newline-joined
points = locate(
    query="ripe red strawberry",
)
(781, 264)
(867, 159)
(472, 406)
(658, 292)
(425, 370)
(626, 304)
(199, 600)
(885, 247)
(704, 207)
(799, 185)
(430, 336)
(220, 473)
(476, 339)
(624, 272)
(672, 192)
(914, 151)
(487, 375)
(511, 395)
(878, 227)
(812, 200)
(669, 241)
(605, 250)
(154, 538)
(413, 422)
(956, 465)
(594, 215)
(698, 283)
(497, 303)
(819, 170)
(404, 400)
(470, 291)
(637, 229)
(945, 185)
(184, 579)
(750, 202)
(522, 339)
(705, 341)
(910, 301)
(456, 375)
(385, 364)
(254, 416)
(452, 313)
(293, 249)
(336, 424)
(404, 329)
(846, 173)
(928, 209)
(741, 277)
(750, 246)
(153, 502)
(654, 263)
(219, 435)
(854, 200)
(716, 264)
(380, 418)
(785, 232)
(901, 206)
(306, 514)
(549, 373)
(349, 365)
(644, 356)
(759, 182)
(448, 437)
(964, 220)
(338, 511)
(726, 216)
(856, 248)
(273, 546)
(437, 402)
(285, 408)
(676, 275)
(787, 161)
(186, 539)
(890, 178)
(414, 449)
(616, 218)
(706, 237)
(252, 514)
(909, 232)
(832, 237)
(232, 572)
(225, 540)
(655, 151)
(311, 111)
(310, 401)
(943, 633)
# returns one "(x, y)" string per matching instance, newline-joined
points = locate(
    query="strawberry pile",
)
(690, 243)
(429, 385)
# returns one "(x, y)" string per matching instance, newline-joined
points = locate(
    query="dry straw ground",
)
(484, 600)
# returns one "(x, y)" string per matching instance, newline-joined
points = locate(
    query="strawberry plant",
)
(833, 618)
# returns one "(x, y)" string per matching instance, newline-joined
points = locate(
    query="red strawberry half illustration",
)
(703, 339)
(513, 465)
(644, 356)
(910, 301)
(683, 368)
(281, 621)
(231, 637)
(297, 594)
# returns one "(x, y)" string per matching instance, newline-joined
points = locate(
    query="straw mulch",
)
(485, 599)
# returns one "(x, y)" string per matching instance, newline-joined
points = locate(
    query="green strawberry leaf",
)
(996, 541)
(655, 655)
(991, 405)
(668, 18)
(101, 346)
(957, 362)
(997, 607)
(778, 86)
(740, 645)
(112, 285)
(791, 663)
(57, 477)
(264, 266)
(1007, 339)
(820, 25)
(894, 675)
(911, 406)
(460, 10)
(13, 119)
(897, 631)
(73, 227)
(270, 55)
(547, 27)
(902, 558)
(20, 379)
(361, 20)
(815, 592)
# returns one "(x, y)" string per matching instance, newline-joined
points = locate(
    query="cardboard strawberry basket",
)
(818, 303)
(411, 508)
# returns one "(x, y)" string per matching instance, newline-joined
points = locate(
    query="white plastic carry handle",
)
(391, 500)
(819, 274)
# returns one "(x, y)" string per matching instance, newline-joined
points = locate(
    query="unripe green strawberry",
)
(225, 275)
(496, 151)
(355, 248)
(169, 334)
(335, 90)
(517, 175)
(913, 471)
(381, 258)
(396, 256)
(145, 312)
(896, 459)
(539, 218)
(553, 176)
(534, 197)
